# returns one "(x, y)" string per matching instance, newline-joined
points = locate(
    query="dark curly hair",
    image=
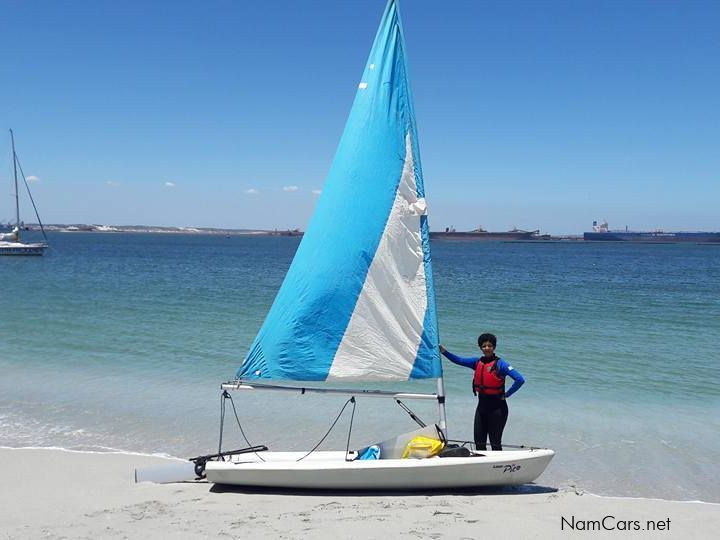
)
(487, 337)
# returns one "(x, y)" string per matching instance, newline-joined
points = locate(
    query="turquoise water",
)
(120, 341)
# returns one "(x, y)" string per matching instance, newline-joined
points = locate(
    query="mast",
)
(17, 192)
(441, 406)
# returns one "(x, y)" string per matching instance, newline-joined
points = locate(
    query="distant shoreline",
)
(442, 236)
(84, 228)
(93, 228)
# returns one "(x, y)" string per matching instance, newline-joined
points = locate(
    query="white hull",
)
(329, 470)
(20, 248)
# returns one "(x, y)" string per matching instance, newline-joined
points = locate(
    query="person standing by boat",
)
(489, 385)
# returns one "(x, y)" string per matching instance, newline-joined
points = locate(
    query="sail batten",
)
(357, 302)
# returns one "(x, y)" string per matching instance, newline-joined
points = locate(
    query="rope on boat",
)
(224, 396)
(516, 446)
(352, 417)
(523, 446)
(222, 419)
(351, 400)
(201, 461)
(412, 414)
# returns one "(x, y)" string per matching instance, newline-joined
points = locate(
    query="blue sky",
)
(226, 113)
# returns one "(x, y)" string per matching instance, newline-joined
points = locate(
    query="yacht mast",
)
(17, 192)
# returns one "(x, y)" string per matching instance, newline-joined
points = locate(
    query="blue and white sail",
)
(358, 301)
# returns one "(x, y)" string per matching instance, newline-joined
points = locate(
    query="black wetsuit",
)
(490, 418)
(492, 411)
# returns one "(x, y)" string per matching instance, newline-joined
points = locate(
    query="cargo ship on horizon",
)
(602, 233)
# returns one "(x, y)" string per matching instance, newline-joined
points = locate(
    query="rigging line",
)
(27, 187)
(522, 446)
(237, 419)
(352, 416)
(329, 430)
(516, 446)
(222, 421)
(412, 414)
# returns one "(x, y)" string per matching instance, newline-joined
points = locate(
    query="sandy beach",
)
(51, 493)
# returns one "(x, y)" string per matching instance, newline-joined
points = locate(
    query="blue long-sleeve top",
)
(504, 369)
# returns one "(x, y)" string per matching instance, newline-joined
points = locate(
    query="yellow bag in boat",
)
(423, 447)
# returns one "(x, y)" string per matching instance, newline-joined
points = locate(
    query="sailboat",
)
(357, 305)
(11, 243)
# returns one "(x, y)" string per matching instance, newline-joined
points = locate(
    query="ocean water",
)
(120, 341)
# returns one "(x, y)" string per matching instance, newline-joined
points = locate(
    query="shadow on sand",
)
(525, 489)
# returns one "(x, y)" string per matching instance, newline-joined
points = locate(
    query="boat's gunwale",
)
(335, 460)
